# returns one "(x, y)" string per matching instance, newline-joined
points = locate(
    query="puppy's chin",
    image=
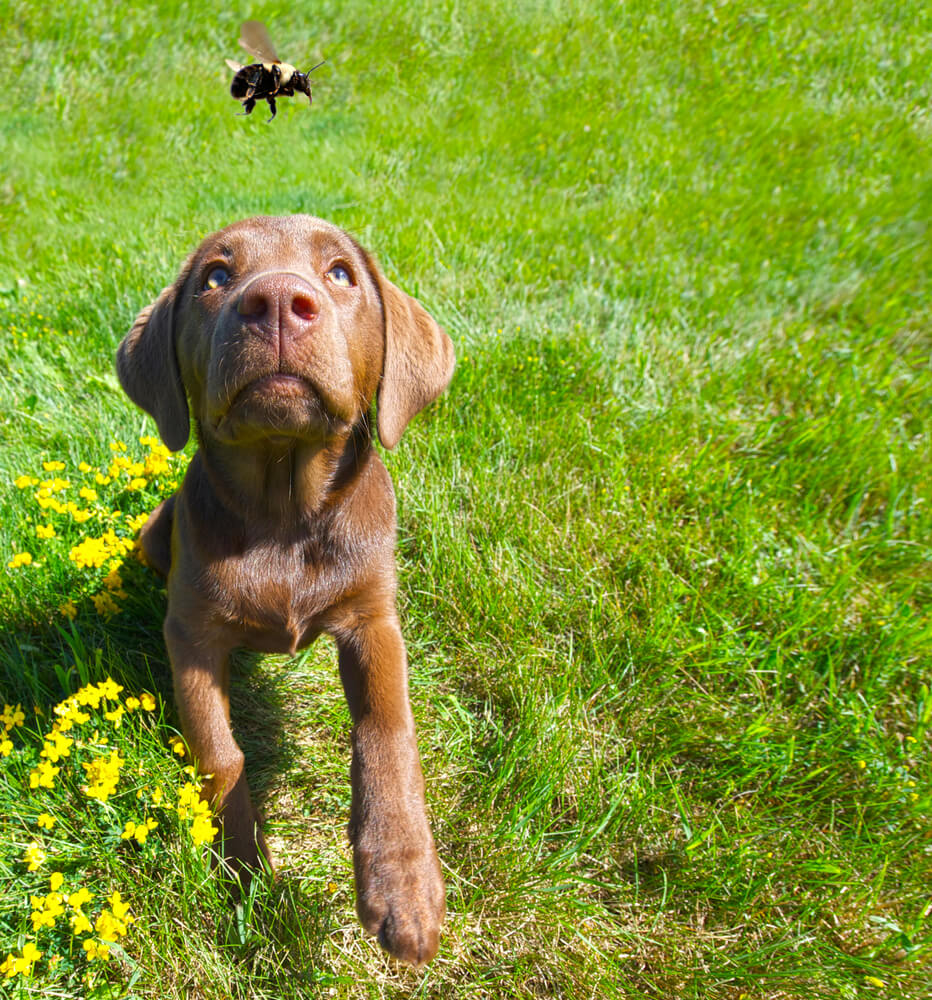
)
(277, 408)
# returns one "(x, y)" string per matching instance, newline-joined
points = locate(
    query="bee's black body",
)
(270, 77)
(259, 82)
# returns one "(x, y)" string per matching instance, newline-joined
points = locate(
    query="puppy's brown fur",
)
(277, 338)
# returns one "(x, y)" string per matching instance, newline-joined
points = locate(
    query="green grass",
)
(664, 545)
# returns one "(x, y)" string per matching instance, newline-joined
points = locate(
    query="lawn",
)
(665, 545)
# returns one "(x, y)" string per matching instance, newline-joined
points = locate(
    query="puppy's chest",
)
(277, 595)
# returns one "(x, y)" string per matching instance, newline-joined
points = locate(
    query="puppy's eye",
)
(216, 277)
(339, 275)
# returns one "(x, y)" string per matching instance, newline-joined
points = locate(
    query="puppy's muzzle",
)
(279, 306)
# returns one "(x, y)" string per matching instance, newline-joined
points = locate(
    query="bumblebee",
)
(270, 77)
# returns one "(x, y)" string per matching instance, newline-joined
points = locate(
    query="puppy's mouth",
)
(276, 405)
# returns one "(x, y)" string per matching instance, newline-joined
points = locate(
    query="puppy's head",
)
(282, 328)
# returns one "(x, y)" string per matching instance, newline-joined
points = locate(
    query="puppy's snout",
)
(280, 304)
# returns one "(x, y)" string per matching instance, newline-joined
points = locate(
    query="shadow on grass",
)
(284, 919)
(45, 659)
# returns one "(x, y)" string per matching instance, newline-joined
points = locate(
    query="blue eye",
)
(339, 275)
(216, 277)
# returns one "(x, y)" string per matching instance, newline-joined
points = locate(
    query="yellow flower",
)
(43, 776)
(20, 559)
(113, 923)
(69, 609)
(34, 856)
(120, 909)
(6, 747)
(46, 910)
(56, 746)
(177, 745)
(25, 482)
(55, 485)
(89, 695)
(115, 716)
(90, 553)
(50, 503)
(87, 494)
(69, 713)
(84, 467)
(202, 830)
(137, 484)
(102, 776)
(109, 689)
(31, 953)
(45, 531)
(95, 949)
(53, 466)
(45, 822)
(155, 465)
(190, 801)
(117, 446)
(77, 899)
(11, 717)
(135, 521)
(147, 701)
(101, 479)
(138, 831)
(105, 604)
(13, 966)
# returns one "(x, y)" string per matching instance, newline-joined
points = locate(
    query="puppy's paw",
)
(400, 897)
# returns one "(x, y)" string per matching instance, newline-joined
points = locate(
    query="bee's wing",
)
(255, 40)
(235, 66)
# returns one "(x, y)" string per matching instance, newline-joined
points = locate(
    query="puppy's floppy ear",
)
(418, 362)
(147, 367)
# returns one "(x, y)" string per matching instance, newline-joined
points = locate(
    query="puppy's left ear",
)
(418, 363)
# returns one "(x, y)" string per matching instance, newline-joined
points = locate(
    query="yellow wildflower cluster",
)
(138, 831)
(21, 965)
(99, 495)
(103, 775)
(110, 925)
(191, 805)
(94, 552)
(75, 769)
(11, 718)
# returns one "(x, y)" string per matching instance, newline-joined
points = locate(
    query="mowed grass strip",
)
(663, 546)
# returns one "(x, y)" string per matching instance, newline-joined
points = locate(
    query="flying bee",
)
(270, 77)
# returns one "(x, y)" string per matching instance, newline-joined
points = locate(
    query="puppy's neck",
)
(286, 482)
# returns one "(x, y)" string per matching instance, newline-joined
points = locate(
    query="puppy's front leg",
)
(400, 895)
(200, 671)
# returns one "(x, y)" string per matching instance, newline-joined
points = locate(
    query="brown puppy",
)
(281, 334)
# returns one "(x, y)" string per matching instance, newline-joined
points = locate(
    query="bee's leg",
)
(271, 101)
(248, 105)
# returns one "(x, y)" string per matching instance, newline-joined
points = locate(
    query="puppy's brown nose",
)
(279, 304)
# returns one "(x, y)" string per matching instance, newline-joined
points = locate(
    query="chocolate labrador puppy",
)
(278, 337)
